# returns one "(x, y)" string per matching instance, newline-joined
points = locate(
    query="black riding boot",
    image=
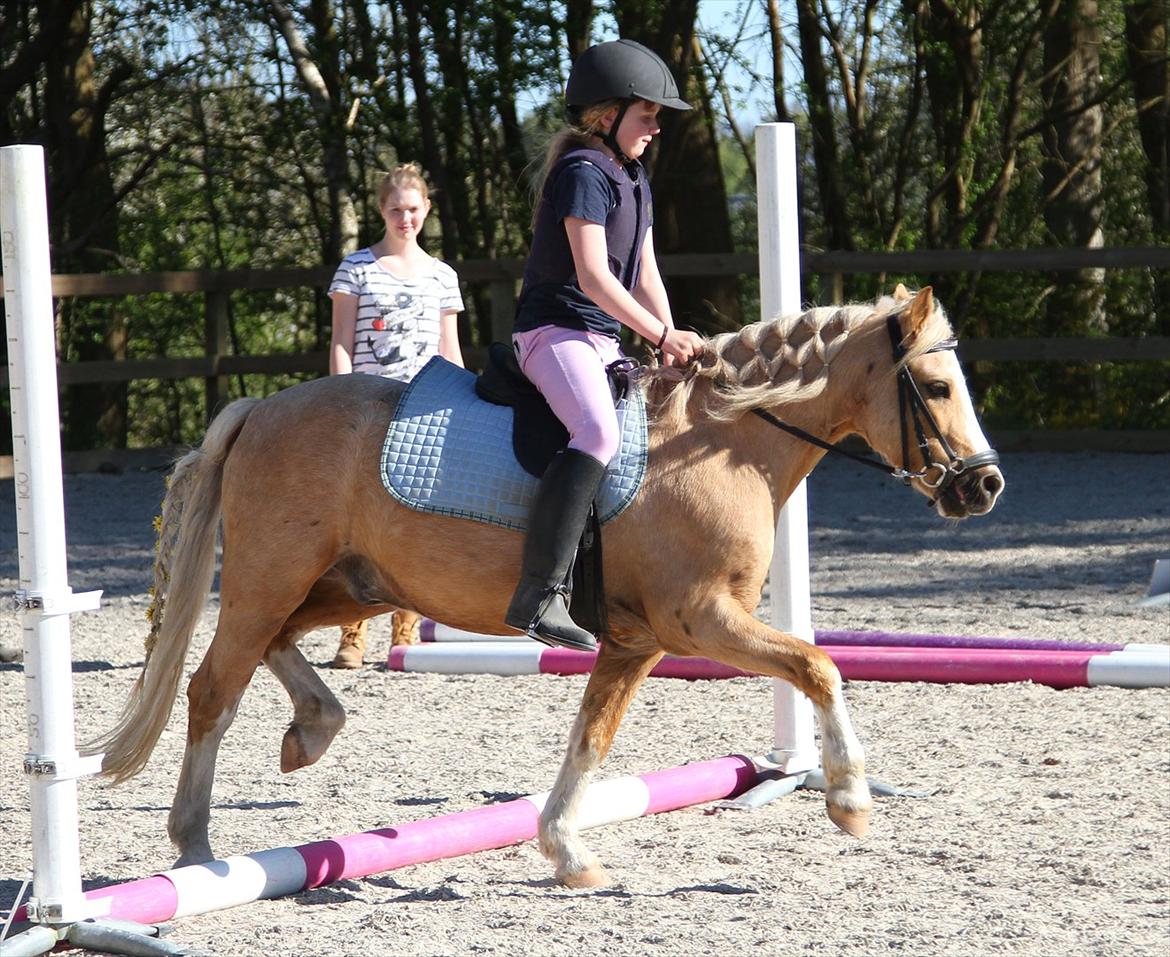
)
(558, 517)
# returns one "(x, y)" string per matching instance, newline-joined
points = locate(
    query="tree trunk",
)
(84, 219)
(447, 32)
(504, 48)
(951, 36)
(370, 52)
(323, 82)
(578, 26)
(1072, 162)
(830, 187)
(776, 38)
(1146, 45)
(428, 126)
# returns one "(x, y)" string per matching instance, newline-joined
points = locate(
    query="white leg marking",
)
(843, 758)
(560, 839)
(191, 809)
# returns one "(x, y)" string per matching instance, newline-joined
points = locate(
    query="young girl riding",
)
(591, 271)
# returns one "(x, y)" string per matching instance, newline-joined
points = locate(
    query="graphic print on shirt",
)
(399, 325)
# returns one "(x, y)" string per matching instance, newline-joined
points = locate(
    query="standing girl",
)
(394, 307)
(592, 270)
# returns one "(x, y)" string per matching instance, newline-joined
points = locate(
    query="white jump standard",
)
(45, 601)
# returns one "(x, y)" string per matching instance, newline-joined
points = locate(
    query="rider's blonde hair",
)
(578, 132)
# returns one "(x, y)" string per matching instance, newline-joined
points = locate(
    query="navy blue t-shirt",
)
(551, 294)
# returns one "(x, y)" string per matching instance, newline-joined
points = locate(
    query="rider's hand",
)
(680, 346)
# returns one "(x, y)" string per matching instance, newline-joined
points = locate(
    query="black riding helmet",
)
(620, 69)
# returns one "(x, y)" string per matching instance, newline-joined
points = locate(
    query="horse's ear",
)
(914, 317)
(901, 293)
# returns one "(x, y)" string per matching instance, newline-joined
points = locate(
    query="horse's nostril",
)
(993, 484)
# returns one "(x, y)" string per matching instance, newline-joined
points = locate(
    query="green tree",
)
(690, 197)
(1148, 58)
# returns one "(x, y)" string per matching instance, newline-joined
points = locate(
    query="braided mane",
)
(780, 360)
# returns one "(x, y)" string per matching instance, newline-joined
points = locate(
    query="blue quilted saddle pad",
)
(450, 453)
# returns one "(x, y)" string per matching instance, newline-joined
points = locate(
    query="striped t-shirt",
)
(397, 328)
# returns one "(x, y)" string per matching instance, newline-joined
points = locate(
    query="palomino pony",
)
(311, 538)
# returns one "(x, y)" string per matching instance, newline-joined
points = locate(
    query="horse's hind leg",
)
(254, 613)
(317, 715)
(724, 631)
(213, 697)
(343, 594)
(616, 677)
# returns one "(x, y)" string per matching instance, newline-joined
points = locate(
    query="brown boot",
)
(352, 646)
(404, 628)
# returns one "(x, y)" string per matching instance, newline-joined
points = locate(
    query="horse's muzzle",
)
(973, 493)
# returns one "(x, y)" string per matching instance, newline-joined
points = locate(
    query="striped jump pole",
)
(202, 888)
(1142, 666)
(433, 631)
(430, 630)
(884, 639)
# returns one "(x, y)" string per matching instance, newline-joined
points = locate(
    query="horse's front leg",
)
(242, 636)
(723, 630)
(615, 679)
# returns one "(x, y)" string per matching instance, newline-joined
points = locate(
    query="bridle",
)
(912, 408)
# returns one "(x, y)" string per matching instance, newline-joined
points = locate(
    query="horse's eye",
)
(938, 389)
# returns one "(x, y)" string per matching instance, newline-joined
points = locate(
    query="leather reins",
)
(912, 408)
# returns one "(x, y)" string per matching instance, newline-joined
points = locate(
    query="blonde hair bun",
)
(403, 176)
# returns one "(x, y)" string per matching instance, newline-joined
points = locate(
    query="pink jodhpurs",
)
(568, 367)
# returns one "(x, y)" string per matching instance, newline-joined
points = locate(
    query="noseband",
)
(912, 408)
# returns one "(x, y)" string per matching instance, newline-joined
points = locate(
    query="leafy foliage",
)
(246, 134)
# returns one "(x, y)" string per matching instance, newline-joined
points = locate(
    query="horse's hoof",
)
(593, 876)
(292, 752)
(854, 823)
(200, 856)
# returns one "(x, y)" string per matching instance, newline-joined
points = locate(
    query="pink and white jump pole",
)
(1058, 666)
(202, 888)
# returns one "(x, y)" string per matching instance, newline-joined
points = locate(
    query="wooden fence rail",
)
(1111, 349)
(502, 276)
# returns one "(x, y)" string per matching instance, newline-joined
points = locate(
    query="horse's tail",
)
(184, 568)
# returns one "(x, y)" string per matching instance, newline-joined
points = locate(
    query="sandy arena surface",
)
(1047, 830)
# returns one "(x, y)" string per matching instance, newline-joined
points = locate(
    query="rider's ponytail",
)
(583, 125)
